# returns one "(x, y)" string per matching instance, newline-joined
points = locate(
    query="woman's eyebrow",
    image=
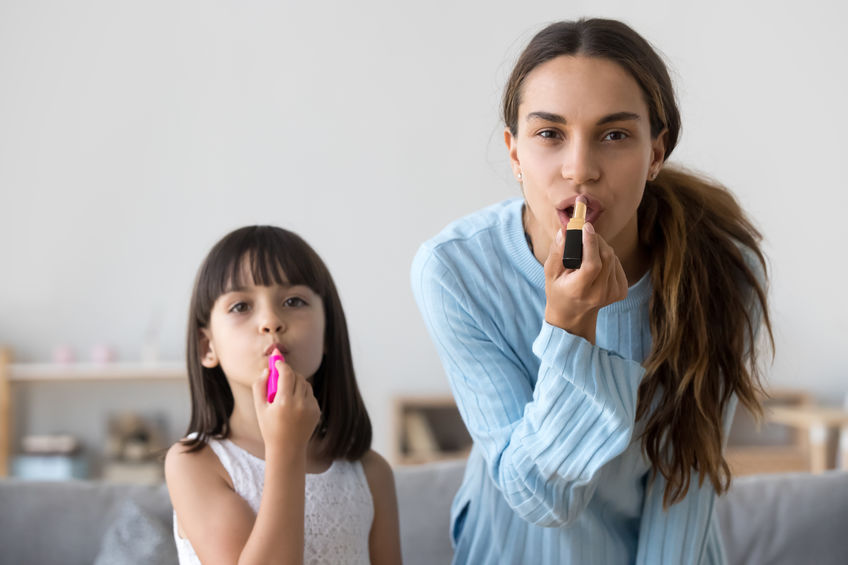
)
(547, 116)
(619, 117)
(556, 118)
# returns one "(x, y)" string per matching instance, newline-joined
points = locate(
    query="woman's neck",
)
(634, 256)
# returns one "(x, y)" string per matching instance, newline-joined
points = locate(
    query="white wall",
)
(133, 135)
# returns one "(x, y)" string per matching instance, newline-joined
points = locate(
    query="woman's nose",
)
(580, 163)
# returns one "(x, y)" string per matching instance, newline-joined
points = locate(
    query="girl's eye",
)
(239, 307)
(294, 302)
(549, 134)
(615, 136)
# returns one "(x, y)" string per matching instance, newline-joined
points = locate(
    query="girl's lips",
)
(273, 346)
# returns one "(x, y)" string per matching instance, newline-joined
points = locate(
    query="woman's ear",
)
(512, 148)
(657, 154)
(208, 358)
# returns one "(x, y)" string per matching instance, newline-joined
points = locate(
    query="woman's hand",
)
(574, 296)
(286, 423)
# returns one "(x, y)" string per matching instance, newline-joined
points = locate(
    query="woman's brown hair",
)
(707, 270)
(275, 256)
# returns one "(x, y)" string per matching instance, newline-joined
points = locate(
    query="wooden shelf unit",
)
(11, 373)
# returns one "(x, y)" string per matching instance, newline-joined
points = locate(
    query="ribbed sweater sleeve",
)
(545, 445)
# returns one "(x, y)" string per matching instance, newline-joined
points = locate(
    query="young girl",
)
(598, 397)
(287, 481)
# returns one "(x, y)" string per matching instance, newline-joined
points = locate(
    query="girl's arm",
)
(220, 524)
(214, 518)
(545, 444)
(384, 540)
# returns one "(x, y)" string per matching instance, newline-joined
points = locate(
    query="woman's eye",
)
(294, 302)
(239, 307)
(615, 136)
(549, 134)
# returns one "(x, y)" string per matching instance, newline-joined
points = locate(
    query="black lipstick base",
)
(572, 255)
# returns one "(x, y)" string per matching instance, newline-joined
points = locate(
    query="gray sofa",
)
(786, 519)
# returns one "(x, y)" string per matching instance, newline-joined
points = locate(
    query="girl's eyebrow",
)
(556, 118)
(242, 288)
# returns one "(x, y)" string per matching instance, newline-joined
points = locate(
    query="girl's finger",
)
(287, 381)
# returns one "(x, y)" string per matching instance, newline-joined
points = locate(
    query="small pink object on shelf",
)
(274, 374)
(102, 354)
(64, 355)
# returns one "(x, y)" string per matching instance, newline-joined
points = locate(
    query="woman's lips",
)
(592, 214)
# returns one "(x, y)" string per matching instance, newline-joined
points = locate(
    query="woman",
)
(598, 398)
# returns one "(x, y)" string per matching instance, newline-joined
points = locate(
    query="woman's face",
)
(583, 128)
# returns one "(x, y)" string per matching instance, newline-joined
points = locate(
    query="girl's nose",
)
(271, 324)
(580, 164)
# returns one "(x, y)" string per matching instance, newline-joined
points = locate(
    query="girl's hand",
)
(286, 423)
(574, 296)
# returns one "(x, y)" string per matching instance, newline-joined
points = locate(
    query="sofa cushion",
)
(64, 522)
(137, 537)
(786, 519)
(425, 494)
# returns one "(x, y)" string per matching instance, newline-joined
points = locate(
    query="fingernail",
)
(559, 237)
(589, 228)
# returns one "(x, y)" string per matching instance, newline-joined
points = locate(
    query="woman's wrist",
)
(582, 326)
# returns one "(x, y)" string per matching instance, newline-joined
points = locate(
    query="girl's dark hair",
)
(707, 298)
(275, 256)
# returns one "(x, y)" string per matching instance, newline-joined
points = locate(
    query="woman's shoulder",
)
(491, 217)
(475, 245)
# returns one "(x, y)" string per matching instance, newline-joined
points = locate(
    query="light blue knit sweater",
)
(556, 474)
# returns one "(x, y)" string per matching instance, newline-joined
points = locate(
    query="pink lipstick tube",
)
(274, 375)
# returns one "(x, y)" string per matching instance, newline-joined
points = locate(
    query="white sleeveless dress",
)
(339, 509)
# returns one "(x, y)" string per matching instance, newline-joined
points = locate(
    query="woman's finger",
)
(592, 264)
(553, 264)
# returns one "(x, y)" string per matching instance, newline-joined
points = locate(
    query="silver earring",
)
(520, 176)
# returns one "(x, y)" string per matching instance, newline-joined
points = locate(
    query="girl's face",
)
(583, 128)
(247, 323)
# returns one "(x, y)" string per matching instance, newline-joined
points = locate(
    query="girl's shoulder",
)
(184, 465)
(376, 467)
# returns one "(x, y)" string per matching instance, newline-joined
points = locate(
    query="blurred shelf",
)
(13, 374)
(427, 429)
(22, 372)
